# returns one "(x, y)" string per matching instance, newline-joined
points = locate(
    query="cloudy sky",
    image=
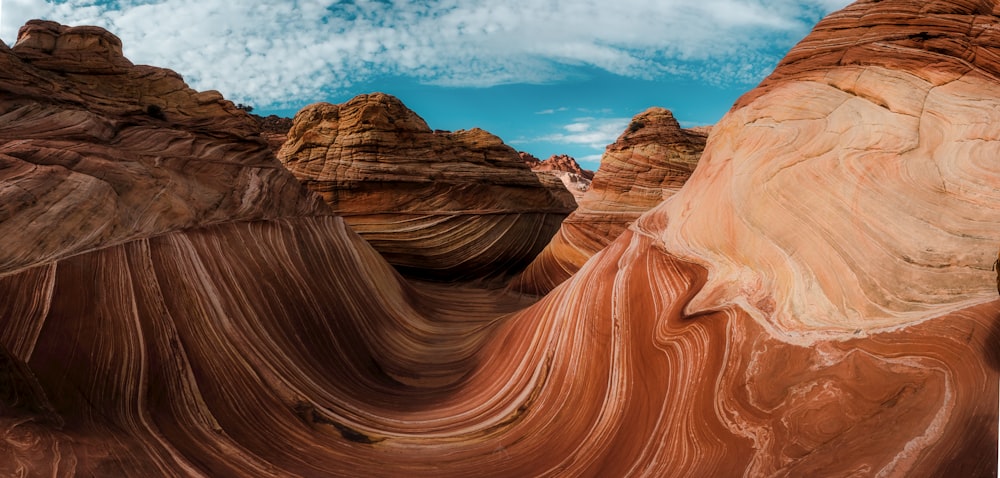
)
(547, 76)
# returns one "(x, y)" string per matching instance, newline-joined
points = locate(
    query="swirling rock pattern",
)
(439, 205)
(96, 151)
(875, 207)
(288, 347)
(648, 163)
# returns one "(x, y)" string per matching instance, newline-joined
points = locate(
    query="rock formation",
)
(274, 130)
(96, 151)
(576, 179)
(437, 205)
(817, 300)
(648, 163)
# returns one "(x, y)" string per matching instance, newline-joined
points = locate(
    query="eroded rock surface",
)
(95, 151)
(576, 179)
(285, 345)
(648, 163)
(873, 205)
(439, 205)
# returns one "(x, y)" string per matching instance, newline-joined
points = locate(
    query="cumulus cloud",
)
(13, 14)
(595, 133)
(273, 53)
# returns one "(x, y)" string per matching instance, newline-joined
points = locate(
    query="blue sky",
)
(547, 76)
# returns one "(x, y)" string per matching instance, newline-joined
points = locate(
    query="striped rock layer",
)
(437, 205)
(648, 163)
(286, 346)
(96, 151)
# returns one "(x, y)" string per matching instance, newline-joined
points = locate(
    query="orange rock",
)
(871, 206)
(841, 321)
(437, 205)
(647, 164)
(95, 151)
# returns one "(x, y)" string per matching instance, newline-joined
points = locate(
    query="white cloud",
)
(552, 111)
(13, 14)
(594, 133)
(270, 53)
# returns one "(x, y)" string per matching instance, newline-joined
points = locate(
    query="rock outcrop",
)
(274, 130)
(817, 299)
(648, 163)
(96, 151)
(437, 205)
(872, 206)
(576, 179)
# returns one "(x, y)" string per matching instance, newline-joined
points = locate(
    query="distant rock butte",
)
(648, 163)
(576, 179)
(274, 130)
(438, 205)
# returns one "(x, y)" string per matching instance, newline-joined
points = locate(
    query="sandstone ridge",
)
(95, 151)
(816, 300)
(439, 205)
(648, 163)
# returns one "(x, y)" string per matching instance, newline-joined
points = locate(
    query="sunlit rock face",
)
(438, 205)
(648, 163)
(95, 151)
(857, 189)
(576, 179)
(286, 346)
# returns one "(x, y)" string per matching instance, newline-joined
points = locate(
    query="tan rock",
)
(437, 205)
(287, 346)
(574, 178)
(871, 206)
(648, 163)
(95, 151)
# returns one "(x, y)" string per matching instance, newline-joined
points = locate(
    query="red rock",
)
(564, 163)
(95, 151)
(563, 167)
(646, 165)
(438, 205)
(274, 130)
(817, 300)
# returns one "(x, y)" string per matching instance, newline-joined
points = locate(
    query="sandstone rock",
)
(574, 178)
(274, 130)
(438, 205)
(647, 164)
(564, 163)
(875, 204)
(95, 151)
(287, 346)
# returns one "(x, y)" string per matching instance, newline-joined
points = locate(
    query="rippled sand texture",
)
(648, 163)
(436, 204)
(750, 325)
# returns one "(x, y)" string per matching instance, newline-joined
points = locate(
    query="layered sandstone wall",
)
(438, 205)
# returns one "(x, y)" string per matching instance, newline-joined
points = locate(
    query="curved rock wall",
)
(437, 205)
(95, 151)
(648, 163)
(286, 346)
(873, 205)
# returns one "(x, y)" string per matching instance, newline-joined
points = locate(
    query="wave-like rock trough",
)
(816, 300)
